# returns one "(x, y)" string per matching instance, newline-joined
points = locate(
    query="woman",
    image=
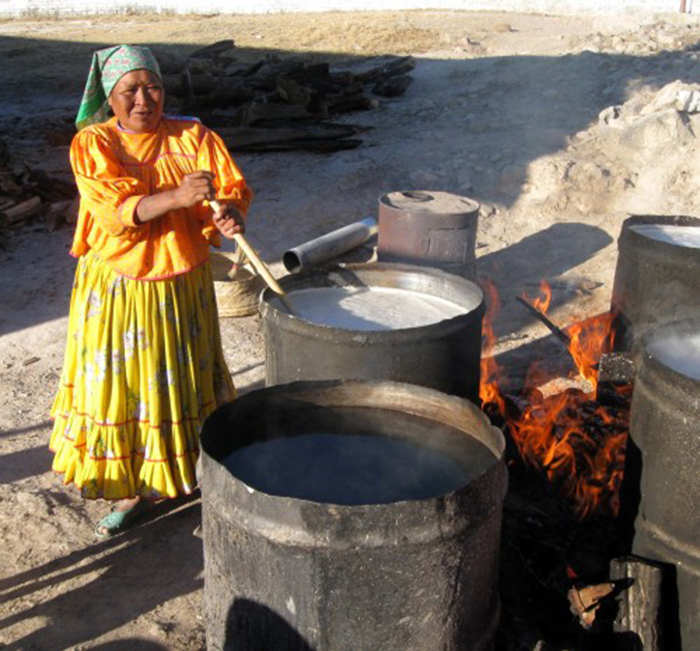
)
(144, 364)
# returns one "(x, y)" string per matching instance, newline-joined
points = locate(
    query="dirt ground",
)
(556, 125)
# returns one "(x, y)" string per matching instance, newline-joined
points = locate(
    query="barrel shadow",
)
(255, 627)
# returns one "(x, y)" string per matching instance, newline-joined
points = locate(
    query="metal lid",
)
(443, 203)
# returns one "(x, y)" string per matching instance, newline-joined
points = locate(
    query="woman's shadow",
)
(106, 585)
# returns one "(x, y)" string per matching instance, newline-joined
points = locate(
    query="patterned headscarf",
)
(108, 67)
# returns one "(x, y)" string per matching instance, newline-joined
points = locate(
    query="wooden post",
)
(640, 614)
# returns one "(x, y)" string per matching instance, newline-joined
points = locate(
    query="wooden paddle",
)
(258, 264)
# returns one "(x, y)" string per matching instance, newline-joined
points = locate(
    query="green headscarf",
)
(108, 67)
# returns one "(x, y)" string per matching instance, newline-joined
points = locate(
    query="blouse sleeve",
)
(106, 191)
(228, 182)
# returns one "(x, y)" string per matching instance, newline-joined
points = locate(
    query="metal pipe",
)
(330, 245)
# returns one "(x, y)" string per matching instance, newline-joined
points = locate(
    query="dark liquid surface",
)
(357, 465)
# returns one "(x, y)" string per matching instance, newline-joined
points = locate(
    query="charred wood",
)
(214, 50)
(317, 136)
(392, 86)
(391, 69)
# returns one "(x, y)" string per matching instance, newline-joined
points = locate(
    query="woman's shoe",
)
(116, 522)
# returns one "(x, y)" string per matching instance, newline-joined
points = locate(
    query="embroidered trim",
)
(157, 158)
(133, 420)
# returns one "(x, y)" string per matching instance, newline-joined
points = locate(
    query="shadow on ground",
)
(133, 574)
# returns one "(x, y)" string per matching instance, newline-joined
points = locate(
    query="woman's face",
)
(137, 101)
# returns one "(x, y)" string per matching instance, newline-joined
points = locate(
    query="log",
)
(639, 623)
(308, 144)
(615, 379)
(170, 63)
(264, 113)
(237, 137)
(400, 66)
(585, 601)
(295, 93)
(392, 86)
(21, 211)
(214, 50)
(347, 103)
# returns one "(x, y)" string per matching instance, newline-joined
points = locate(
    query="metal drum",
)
(435, 229)
(289, 571)
(663, 462)
(443, 355)
(657, 280)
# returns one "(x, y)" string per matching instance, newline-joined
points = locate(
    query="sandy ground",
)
(515, 111)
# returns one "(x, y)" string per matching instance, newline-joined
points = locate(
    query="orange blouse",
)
(115, 169)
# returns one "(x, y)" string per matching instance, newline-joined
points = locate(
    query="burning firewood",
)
(585, 601)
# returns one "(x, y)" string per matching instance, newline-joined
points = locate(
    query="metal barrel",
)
(331, 245)
(445, 355)
(289, 574)
(656, 282)
(663, 462)
(435, 229)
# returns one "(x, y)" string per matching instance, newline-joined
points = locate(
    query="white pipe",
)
(330, 245)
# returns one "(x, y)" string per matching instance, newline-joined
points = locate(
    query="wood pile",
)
(277, 104)
(26, 194)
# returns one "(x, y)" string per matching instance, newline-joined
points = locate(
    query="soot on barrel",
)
(351, 515)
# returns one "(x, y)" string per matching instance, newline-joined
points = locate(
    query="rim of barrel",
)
(627, 232)
(419, 401)
(347, 335)
(419, 201)
(666, 330)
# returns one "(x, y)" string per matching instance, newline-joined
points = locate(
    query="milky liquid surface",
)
(374, 308)
(688, 236)
(357, 467)
(680, 353)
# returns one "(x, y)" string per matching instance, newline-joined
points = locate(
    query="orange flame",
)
(489, 390)
(577, 444)
(544, 299)
(589, 340)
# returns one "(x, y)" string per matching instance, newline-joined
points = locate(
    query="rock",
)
(688, 100)
(660, 129)
(677, 95)
(610, 116)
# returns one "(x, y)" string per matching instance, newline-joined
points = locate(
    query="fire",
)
(489, 391)
(589, 340)
(578, 444)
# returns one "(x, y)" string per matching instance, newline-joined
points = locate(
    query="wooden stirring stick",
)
(259, 265)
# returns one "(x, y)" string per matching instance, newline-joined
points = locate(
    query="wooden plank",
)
(640, 603)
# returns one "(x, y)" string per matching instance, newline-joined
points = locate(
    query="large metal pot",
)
(289, 574)
(656, 282)
(444, 355)
(662, 468)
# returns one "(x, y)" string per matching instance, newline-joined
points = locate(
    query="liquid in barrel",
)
(373, 308)
(339, 456)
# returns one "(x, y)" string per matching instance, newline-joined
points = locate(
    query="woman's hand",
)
(229, 220)
(195, 188)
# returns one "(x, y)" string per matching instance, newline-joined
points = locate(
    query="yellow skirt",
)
(143, 368)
